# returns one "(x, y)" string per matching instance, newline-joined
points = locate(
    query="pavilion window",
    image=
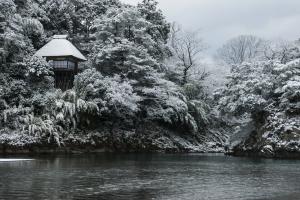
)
(71, 65)
(62, 64)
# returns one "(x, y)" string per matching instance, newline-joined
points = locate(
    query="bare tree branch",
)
(240, 49)
(187, 48)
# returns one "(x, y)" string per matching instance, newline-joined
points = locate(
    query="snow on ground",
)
(14, 160)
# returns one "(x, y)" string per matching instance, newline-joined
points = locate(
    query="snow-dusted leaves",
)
(38, 66)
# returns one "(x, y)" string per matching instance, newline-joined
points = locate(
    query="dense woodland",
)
(143, 86)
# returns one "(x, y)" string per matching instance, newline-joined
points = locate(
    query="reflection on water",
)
(149, 176)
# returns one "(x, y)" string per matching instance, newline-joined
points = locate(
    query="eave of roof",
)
(60, 46)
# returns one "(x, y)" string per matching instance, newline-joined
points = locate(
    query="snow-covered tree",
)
(127, 47)
(282, 51)
(112, 95)
(38, 67)
(267, 93)
(34, 30)
(158, 28)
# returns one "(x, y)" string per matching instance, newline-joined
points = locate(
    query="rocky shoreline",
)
(146, 140)
(280, 154)
(79, 149)
(275, 151)
(73, 149)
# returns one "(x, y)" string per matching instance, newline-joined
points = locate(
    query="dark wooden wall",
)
(64, 79)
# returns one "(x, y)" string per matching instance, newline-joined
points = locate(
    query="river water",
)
(149, 176)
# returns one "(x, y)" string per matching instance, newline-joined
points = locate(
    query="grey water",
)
(149, 176)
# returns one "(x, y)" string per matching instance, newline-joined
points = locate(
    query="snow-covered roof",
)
(60, 46)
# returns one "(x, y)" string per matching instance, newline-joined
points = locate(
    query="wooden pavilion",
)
(64, 58)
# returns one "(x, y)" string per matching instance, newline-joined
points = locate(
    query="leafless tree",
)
(282, 51)
(240, 49)
(187, 48)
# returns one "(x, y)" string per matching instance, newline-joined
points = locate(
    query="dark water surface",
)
(149, 176)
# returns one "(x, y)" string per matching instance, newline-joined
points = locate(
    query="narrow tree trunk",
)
(184, 78)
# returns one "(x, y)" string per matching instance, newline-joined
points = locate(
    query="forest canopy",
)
(123, 86)
(143, 87)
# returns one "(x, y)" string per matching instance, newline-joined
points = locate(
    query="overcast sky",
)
(220, 20)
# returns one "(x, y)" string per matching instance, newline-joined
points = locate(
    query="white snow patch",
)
(60, 47)
(14, 160)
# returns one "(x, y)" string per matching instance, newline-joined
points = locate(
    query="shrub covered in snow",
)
(268, 92)
(38, 67)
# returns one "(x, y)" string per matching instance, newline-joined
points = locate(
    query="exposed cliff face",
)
(264, 141)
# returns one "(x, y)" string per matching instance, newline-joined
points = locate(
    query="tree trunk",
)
(184, 78)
